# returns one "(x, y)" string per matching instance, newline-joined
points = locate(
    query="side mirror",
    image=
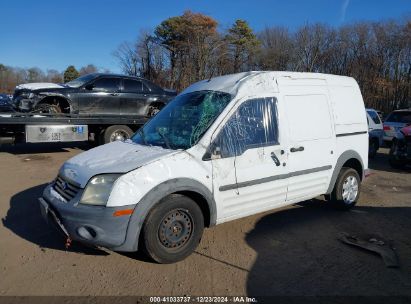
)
(216, 153)
(89, 87)
(213, 152)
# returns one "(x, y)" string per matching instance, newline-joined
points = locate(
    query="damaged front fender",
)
(153, 197)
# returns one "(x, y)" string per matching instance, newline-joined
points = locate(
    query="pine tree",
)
(70, 73)
(243, 44)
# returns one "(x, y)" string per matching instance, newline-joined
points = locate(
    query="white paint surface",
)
(38, 85)
(333, 104)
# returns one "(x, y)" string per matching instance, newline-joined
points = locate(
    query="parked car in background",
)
(400, 152)
(375, 132)
(102, 94)
(394, 122)
(5, 103)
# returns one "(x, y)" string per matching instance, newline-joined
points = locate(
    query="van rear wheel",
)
(346, 191)
(173, 229)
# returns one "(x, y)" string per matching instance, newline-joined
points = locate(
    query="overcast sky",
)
(52, 34)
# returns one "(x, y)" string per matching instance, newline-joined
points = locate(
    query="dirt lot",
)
(292, 251)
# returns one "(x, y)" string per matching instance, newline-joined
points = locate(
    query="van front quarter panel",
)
(184, 186)
(148, 185)
(131, 187)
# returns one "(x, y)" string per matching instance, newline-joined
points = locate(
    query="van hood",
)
(115, 157)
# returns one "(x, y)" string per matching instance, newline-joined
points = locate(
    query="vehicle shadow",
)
(380, 163)
(299, 254)
(25, 220)
(27, 148)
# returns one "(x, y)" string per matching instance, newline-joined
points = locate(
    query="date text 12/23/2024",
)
(203, 299)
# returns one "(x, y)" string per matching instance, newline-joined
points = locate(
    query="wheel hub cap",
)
(118, 135)
(350, 189)
(175, 229)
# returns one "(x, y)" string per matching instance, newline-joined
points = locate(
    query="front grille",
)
(65, 188)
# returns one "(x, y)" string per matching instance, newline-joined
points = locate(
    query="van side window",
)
(253, 125)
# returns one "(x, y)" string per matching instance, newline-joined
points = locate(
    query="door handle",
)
(275, 159)
(297, 149)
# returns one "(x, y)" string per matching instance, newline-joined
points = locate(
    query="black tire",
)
(394, 162)
(387, 143)
(338, 196)
(374, 146)
(116, 132)
(173, 229)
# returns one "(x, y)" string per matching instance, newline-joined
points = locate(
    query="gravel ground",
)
(290, 251)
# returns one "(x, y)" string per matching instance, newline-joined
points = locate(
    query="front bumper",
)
(387, 138)
(24, 104)
(92, 225)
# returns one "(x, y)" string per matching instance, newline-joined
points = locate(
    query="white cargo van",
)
(225, 148)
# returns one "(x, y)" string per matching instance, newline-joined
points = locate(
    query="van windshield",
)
(182, 123)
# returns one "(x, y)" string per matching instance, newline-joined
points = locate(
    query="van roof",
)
(231, 83)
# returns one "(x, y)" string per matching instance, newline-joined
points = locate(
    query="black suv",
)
(97, 93)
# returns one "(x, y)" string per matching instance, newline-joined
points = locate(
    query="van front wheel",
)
(173, 229)
(347, 189)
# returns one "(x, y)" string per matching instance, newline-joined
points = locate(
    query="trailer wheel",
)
(117, 132)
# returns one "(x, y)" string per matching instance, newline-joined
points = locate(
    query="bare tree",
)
(186, 48)
(277, 49)
(127, 56)
(311, 43)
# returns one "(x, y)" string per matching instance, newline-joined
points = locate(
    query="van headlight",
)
(98, 189)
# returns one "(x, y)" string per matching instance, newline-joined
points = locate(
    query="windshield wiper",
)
(165, 139)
